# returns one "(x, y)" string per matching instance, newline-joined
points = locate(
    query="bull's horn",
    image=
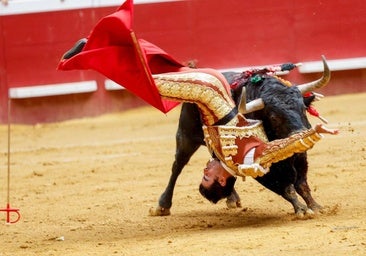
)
(243, 101)
(246, 108)
(254, 105)
(308, 87)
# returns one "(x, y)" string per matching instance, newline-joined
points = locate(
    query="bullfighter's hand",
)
(320, 128)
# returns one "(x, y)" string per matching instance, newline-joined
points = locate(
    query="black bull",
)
(283, 113)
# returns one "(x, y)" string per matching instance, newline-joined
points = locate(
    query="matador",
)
(239, 146)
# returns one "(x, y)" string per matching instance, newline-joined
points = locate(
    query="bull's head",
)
(282, 108)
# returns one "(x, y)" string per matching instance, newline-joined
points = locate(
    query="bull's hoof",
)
(305, 214)
(316, 208)
(233, 201)
(233, 204)
(159, 211)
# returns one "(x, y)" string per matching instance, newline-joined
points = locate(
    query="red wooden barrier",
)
(219, 34)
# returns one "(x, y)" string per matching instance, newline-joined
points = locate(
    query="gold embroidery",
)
(205, 90)
(279, 150)
(210, 95)
(222, 139)
(283, 81)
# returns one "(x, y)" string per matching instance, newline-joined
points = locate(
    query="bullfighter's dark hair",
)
(216, 192)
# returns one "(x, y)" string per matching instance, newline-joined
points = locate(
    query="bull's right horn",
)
(308, 87)
(254, 105)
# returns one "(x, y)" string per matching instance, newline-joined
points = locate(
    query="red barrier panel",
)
(222, 35)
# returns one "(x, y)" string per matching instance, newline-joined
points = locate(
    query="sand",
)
(85, 187)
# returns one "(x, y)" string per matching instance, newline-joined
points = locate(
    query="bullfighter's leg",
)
(77, 47)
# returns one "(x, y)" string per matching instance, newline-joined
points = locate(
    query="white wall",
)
(34, 6)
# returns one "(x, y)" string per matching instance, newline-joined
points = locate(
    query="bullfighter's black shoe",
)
(78, 47)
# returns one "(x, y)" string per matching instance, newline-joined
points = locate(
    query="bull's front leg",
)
(165, 201)
(301, 184)
(189, 138)
(233, 201)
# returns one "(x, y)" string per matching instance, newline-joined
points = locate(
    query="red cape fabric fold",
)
(113, 50)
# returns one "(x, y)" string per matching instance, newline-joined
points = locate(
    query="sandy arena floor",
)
(85, 187)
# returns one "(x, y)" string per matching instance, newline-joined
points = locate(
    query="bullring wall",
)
(226, 35)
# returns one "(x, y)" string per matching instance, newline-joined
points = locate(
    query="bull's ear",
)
(246, 108)
(308, 99)
(311, 97)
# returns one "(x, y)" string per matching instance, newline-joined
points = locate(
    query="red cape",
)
(113, 50)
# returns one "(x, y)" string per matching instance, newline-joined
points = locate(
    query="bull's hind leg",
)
(301, 184)
(290, 195)
(280, 180)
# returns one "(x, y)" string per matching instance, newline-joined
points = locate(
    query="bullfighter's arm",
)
(278, 150)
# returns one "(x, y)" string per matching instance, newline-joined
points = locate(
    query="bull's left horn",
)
(254, 105)
(308, 87)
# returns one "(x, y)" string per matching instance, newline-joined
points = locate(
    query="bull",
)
(282, 110)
